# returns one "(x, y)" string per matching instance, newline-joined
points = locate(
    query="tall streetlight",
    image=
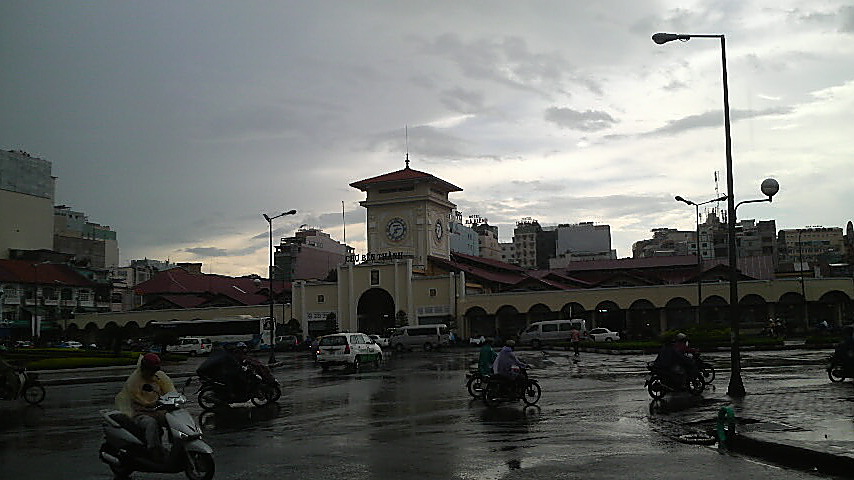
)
(270, 274)
(736, 385)
(699, 255)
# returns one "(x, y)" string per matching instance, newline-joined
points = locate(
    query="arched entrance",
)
(479, 323)
(714, 312)
(540, 312)
(375, 311)
(610, 316)
(509, 322)
(642, 320)
(679, 314)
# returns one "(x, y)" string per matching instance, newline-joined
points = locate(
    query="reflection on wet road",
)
(411, 418)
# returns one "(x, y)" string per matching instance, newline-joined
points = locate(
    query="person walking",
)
(574, 339)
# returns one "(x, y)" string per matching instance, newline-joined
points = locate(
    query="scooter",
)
(124, 449)
(214, 393)
(658, 383)
(30, 389)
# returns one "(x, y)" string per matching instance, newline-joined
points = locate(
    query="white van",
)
(192, 346)
(426, 336)
(550, 331)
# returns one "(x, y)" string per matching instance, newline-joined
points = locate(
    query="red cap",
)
(151, 360)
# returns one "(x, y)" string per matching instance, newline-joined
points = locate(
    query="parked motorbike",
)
(837, 371)
(124, 449)
(498, 389)
(215, 393)
(658, 383)
(30, 389)
(474, 383)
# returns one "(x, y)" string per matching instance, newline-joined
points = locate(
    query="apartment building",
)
(309, 255)
(91, 244)
(27, 196)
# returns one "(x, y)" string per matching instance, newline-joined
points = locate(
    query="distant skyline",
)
(179, 123)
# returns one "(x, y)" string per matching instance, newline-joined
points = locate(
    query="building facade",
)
(27, 197)
(309, 255)
(91, 243)
(463, 239)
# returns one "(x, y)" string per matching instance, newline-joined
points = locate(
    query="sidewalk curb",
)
(792, 455)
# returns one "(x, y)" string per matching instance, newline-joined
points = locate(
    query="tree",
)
(293, 327)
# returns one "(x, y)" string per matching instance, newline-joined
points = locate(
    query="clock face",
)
(395, 229)
(439, 230)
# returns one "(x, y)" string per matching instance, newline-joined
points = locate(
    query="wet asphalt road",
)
(413, 418)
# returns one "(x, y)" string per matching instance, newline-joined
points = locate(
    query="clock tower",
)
(408, 215)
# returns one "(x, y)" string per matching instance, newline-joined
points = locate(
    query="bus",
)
(221, 331)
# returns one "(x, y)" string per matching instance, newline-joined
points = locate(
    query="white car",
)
(348, 349)
(603, 335)
(192, 346)
(70, 344)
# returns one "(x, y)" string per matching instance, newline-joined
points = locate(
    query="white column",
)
(410, 301)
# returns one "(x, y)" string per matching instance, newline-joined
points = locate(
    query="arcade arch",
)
(375, 311)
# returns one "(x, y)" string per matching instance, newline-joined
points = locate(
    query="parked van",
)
(427, 337)
(551, 331)
(192, 346)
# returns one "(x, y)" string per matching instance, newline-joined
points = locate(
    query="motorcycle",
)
(269, 383)
(837, 371)
(214, 393)
(30, 389)
(658, 383)
(498, 389)
(124, 449)
(474, 383)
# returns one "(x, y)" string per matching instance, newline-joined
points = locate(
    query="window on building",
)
(432, 292)
(321, 299)
(375, 277)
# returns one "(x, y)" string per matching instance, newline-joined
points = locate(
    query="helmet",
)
(510, 343)
(681, 337)
(150, 360)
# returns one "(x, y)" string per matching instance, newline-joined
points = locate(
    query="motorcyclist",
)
(139, 396)
(241, 353)
(506, 361)
(11, 381)
(486, 358)
(673, 360)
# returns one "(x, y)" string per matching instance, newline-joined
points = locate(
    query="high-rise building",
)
(534, 245)
(309, 255)
(27, 197)
(582, 242)
(463, 238)
(90, 243)
(487, 238)
(803, 249)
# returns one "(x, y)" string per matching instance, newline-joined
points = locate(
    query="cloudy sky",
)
(178, 123)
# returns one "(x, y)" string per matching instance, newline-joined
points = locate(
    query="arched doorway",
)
(679, 314)
(375, 311)
(479, 323)
(714, 312)
(753, 312)
(575, 310)
(509, 321)
(610, 316)
(540, 312)
(642, 320)
(831, 307)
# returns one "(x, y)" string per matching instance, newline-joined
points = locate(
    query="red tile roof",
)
(25, 271)
(180, 281)
(405, 175)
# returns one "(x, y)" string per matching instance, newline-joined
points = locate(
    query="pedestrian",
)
(574, 339)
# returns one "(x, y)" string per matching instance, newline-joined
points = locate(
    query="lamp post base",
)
(735, 388)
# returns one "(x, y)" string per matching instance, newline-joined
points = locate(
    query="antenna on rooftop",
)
(406, 142)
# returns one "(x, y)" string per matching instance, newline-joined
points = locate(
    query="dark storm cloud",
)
(509, 62)
(588, 121)
(711, 119)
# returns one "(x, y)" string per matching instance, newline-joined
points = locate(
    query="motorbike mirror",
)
(147, 388)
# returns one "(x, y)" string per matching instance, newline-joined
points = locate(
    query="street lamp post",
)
(699, 255)
(270, 274)
(736, 385)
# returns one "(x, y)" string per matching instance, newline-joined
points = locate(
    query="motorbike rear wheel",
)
(532, 393)
(208, 399)
(34, 393)
(475, 386)
(836, 373)
(200, 466)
